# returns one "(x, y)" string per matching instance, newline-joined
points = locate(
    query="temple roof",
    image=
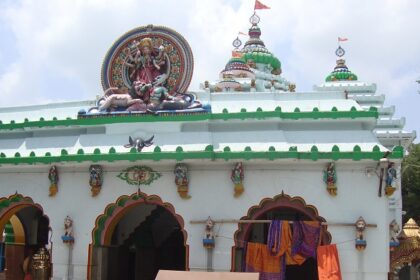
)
(410, 229)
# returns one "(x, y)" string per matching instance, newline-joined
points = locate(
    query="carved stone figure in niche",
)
(181, 180)
(237, 177)
(360, 228)
(330, 178)
(68, 236)
(95, 179)
(391, 176)
(53, 177)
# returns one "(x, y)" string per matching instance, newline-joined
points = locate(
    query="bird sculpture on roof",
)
(139, 143)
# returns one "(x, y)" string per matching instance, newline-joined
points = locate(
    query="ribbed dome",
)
(341, 73)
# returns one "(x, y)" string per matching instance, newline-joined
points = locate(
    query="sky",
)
(52, 51)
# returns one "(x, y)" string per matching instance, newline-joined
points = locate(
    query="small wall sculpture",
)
(394, 231)
(95, 179)
(182, 180)
(237, 177)
(68, 236)
(330, 178)
(139, 143)
(360, 228)
(391, 176)
(53, 177)
(208, 240)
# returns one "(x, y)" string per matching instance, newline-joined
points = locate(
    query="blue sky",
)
(53, 50)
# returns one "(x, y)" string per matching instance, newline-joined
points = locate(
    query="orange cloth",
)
(259, 259)
(328, 263)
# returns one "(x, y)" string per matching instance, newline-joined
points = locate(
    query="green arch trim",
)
(105, 223)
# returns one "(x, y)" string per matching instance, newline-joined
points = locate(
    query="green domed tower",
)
(256, 54)
(341, 72)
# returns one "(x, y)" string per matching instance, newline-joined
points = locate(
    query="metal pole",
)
(269, 221)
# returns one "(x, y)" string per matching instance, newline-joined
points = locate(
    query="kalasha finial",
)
(237, 43)
(254, 19)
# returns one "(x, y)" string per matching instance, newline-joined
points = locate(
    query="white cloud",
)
(59, 45)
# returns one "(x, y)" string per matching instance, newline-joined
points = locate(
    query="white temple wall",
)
(212, 195)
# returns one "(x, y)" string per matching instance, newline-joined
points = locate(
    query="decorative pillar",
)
(68, 238)
(209, 242)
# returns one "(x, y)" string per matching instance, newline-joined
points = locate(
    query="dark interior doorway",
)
(24, 233)
(148, 238)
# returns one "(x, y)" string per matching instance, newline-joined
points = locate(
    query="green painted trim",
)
(111, 119)
(208, 153)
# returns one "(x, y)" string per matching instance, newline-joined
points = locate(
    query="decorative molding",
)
(208, 153)
(190, 117)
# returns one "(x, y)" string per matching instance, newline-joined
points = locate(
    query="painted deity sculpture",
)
(68, 236)
(208, 240)
(391, 176)
(95, 179)
(53, 177)
(237, 177)
(360, 228)
(147, 72)
(181, 180)
(147, 65)
(330, 178)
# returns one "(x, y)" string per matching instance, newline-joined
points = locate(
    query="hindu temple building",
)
(247, 174)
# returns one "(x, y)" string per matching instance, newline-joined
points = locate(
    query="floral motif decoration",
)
(95, 179)
(139, 175)
(53, 177)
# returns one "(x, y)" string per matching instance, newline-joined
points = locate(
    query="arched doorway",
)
(136, 237)
(281, 207)
(25, 229)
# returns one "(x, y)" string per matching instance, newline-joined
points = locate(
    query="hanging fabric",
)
(259, 259)
(328, 263)
(306, 237)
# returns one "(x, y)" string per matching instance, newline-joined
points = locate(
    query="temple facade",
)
(152, 176)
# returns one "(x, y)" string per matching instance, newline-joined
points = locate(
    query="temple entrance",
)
(281, 207)
(24, 229)
(142, 237)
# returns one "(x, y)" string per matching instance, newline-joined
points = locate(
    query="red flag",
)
(242, 33)
(260, 6)
(342, 39)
